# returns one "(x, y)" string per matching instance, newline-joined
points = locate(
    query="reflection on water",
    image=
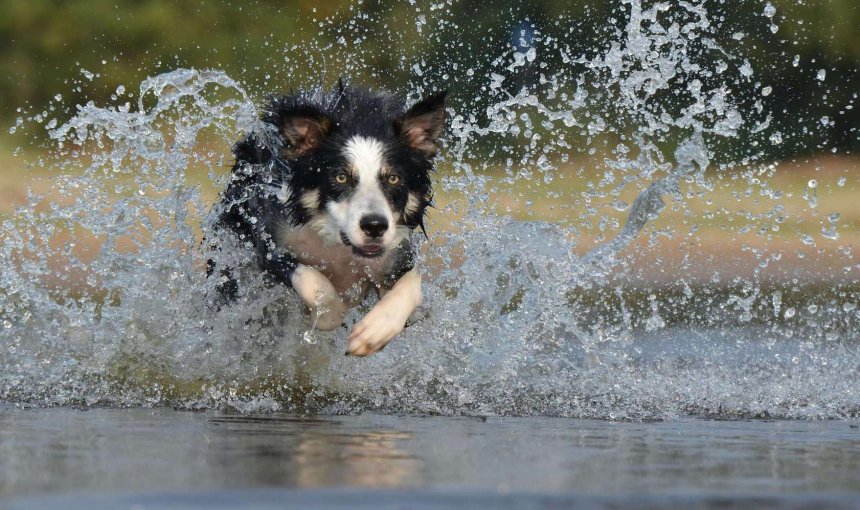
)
(147, 449)
(44, 451)
(312, 452)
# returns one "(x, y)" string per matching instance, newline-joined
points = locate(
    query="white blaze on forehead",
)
(365, 155)
(366, 159)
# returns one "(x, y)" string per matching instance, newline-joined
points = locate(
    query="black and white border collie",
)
(328, 199)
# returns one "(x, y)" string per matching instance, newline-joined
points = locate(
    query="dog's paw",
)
(325, 308)
(324, 319)
(376, 329)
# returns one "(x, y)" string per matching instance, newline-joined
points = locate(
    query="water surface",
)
(114, 457)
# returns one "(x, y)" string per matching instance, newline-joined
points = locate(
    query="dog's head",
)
(358, 164)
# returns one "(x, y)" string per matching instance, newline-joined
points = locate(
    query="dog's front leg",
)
(388, 318)
(320, 296)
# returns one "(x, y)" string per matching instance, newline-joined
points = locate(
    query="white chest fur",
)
(350, 276)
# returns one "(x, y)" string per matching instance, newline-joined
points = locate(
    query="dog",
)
(327, 196)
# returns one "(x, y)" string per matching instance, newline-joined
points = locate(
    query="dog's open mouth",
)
(370, 250)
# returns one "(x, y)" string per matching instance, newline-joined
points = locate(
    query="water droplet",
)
(309, 337)
(829, 233)
(620, 205)
(496, 81)
(821, 75)
(596, 126)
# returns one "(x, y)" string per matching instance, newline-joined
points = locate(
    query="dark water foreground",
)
(160, 458)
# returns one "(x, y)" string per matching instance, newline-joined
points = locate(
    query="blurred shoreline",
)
(688, 240)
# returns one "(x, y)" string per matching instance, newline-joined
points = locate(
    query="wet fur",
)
(303, 186)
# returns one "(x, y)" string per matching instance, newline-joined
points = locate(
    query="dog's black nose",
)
(374, 225)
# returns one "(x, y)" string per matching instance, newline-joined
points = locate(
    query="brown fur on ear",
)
(304, 132)
(421, 126)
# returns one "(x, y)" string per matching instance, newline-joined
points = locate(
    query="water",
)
(160, 458)
(103, 298)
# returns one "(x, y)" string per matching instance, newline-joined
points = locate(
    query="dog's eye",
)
(341, 178)
(394, 180)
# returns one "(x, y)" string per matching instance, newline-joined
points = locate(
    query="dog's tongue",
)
(371, 249)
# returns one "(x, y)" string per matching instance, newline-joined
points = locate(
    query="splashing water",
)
(102, 282)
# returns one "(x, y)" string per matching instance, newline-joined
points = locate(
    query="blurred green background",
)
(264, 45)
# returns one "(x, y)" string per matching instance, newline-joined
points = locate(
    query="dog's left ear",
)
(421, 126)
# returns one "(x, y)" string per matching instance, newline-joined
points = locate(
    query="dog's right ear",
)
(304, 130)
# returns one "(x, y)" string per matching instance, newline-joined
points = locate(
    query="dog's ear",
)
(421, 126)
(304, 130)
